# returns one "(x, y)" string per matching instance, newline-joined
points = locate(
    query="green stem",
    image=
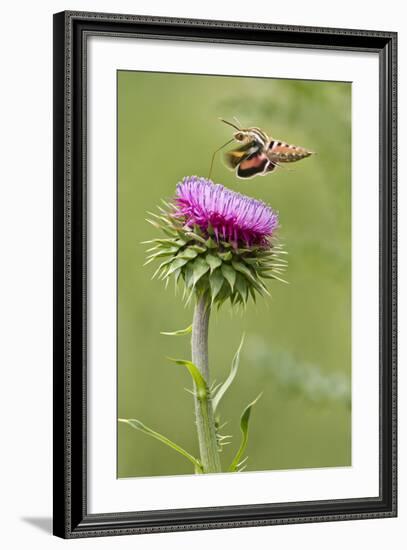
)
(205, 421)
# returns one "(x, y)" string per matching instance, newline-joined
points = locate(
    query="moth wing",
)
(254, 164)
(235, 156)
(269, 168)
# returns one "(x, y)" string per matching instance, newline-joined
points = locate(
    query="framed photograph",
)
(224, 274)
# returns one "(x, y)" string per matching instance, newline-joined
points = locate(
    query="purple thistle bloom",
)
(233, 217)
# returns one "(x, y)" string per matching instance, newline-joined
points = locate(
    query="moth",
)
(258, 154)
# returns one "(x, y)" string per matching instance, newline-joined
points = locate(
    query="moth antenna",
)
(214, 155)
(237, 121)
(229, 123)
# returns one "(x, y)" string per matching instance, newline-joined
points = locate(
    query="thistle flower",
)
(219, 242)
(234, 217)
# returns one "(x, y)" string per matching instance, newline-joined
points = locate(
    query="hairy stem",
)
(205, 420)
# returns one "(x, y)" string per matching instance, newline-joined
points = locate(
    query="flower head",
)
(218, 242)
(233, 217)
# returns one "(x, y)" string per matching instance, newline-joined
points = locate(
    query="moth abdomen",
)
(281, 151)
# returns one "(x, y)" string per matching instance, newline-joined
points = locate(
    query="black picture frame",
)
(71, 518)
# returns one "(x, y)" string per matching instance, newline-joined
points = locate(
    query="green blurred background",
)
(298, 343)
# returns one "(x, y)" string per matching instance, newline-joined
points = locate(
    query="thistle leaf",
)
(137, 425)
(230, 275)
(282, 265)
(176, 264)
(223, 295)
(241, 268)
(170, 232)
(199, 268)
(242, 287)
(188, 275)
(202, 392)
(177, 275)
(197, 248)
(215, 281)
(242, 251)
(157, 247)
(272, 276)
(162, 242)
(165, 252)
(210, 243)
(253, 281)
(253, 294)
(188, 254)
(213, 261)
(225, 256)
(156, 216)
(181, 332)
(180, 242)
(162, 267)
(226, 384)
(193, 236)
(244, 427)
(251, 261)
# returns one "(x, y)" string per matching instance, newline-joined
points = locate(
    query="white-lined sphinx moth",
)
(258, 154)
